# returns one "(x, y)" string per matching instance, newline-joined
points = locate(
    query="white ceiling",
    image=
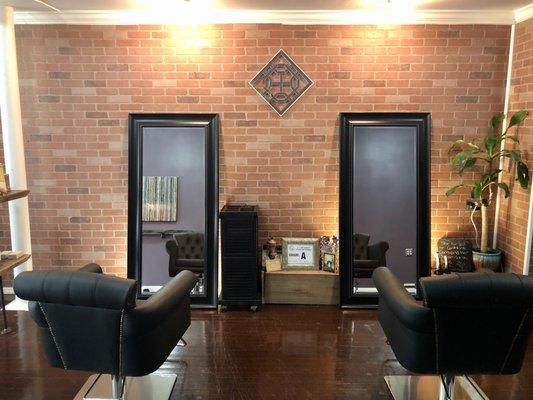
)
(88, 5)
(111, 12)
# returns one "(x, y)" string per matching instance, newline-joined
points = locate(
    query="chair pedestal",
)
(150, 387)
(430, 387)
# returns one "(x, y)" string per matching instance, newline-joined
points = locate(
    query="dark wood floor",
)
(281, 352)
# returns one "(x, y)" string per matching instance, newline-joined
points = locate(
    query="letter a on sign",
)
(303, 256)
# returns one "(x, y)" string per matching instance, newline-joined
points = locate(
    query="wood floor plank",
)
(280, 352)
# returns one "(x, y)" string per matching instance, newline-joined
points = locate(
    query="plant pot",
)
(491, 260)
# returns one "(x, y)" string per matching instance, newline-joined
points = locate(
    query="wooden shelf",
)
(6, 265)
(13, 194)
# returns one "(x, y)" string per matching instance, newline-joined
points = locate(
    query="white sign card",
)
(300, 254)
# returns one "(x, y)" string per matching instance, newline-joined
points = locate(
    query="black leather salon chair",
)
(366, 258)
(471, 323)
(186, 253)
(89, 321)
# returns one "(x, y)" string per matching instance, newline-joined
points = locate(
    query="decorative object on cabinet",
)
(272, 248)
(241, 275)
(281, 82)
(9, 264)
(328, 262)
(331, 246)
(300, 253)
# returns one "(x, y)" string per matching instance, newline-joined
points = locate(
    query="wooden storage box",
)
(301, 287)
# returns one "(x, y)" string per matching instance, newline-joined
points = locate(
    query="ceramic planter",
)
(491, 260)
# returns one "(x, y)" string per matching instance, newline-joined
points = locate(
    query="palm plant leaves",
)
(505, 188)
(497, 120)
(477, 190)
(518, 117)
(453, 189)
(463, 160)
(513, 155)
(522, 174)
(468, 153)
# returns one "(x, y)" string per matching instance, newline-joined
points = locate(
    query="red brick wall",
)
(514, 211)
(79, 83)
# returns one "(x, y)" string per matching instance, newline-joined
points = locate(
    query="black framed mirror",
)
(383, 201)
(173, 202)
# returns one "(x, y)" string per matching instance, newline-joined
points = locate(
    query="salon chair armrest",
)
(404, 307)
(154, 311)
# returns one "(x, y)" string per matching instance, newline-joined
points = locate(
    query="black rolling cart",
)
(241, 271)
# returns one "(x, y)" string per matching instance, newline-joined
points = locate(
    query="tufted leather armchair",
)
(468, 323)
(367, 258)
(92, 322)
(186, 253)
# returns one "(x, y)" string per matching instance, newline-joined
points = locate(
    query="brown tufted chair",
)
(186, 253)
(367, 258)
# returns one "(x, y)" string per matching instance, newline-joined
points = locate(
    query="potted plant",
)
(484, 161)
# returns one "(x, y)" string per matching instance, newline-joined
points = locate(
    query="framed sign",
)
(299, 253)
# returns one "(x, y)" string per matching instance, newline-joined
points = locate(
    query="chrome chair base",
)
(430, 387)
(150, 387)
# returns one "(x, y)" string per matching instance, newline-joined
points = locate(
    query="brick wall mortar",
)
(78, 84)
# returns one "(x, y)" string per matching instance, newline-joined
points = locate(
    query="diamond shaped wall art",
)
(281, 82)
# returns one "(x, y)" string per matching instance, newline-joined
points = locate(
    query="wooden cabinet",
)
(241, 278)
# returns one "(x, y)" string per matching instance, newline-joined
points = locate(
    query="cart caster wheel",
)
(221, 309)
(254, 308)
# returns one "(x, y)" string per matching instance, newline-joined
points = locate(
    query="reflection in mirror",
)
(384, 201)
(173, 205)
(173, 202)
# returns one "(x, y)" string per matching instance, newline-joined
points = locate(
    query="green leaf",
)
(469, 162)
(518, 117)
(513, 155)
(477, 191)
(489, 177)
(490, 143)
(460, 143)
(505, 188)
(522, 173)
(453, 189)
(463, 160)
(497, 120)
(513, 138)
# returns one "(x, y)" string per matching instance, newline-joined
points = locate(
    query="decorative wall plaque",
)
(281, 82)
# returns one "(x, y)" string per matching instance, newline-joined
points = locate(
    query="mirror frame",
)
(210, 123)
(346, 169)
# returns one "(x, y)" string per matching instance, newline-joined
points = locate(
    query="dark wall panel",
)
(384, 199)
